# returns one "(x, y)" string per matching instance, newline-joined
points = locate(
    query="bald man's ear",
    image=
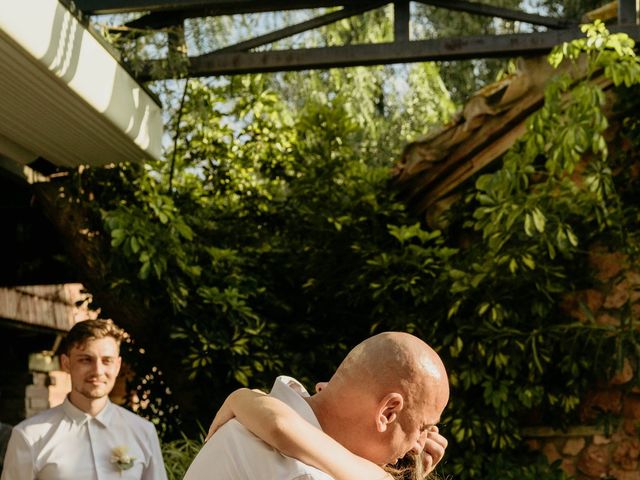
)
(388, 410)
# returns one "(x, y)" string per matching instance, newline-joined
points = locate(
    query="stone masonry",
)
(588, 452)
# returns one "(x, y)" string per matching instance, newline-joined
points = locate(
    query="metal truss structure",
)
(240, 58)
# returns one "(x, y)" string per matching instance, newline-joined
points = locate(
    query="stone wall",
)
(586, 451)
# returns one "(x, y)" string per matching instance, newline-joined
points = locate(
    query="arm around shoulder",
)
(281, 427)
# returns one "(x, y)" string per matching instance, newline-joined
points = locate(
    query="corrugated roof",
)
(64, 97)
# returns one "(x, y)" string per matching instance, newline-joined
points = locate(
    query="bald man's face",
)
(389, 391)
(421, 413)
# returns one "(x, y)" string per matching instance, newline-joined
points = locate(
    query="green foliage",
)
(536, 221)
(279, 245)
(178, 455)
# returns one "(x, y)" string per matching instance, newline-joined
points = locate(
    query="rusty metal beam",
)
(168, 18)
(499, 12)
(302, 27)
(627, 12)
(213, 7)
(459, 48)
(401, 20)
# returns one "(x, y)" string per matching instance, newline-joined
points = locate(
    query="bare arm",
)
(281, 427)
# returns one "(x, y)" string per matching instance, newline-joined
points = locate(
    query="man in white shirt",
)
(235, 453)
(87, 437)
(383, 402)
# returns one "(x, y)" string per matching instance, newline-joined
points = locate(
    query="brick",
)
(618, 296)
(606, 264)
(551, 452)
(631, 427)
(631, 407)
(593, 461)
(574, 303)
(593, 299)
(620, 474)
(633, 278)
(624, 375)
(607, 319)
(574, 446)
(38, 403)
(37, 391)
(601, 440)
(626, 454)
(568, 466)
(533, 444)
(601, 401)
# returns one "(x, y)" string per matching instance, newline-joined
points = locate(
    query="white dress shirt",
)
(234, 453)
(65, 443)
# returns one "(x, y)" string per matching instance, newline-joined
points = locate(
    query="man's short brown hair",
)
(91, 330)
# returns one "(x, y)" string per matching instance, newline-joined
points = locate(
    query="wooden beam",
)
(458, 48)
(499, 12)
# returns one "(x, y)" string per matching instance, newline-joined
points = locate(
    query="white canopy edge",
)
(64, 97)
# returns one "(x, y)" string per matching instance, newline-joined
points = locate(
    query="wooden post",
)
(628, 12)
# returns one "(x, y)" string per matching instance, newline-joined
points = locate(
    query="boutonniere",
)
(121, 458)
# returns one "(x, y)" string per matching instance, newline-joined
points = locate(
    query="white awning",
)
(64, 97)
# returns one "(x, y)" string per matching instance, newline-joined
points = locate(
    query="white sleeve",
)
(155, 468)
(18, 460)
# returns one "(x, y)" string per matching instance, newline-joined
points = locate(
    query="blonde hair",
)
(409, 467)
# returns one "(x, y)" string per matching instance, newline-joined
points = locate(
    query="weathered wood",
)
(57, 307)
(488, 116)
(465, 170)
(491, 122)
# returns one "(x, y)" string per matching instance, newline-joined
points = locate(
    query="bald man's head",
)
(391, 360)
(389, 388)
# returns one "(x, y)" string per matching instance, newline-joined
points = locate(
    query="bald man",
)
(383, 402)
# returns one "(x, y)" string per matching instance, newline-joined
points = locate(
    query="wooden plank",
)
(472, 156)
(493, 151)
(50, 306)
(493, 129)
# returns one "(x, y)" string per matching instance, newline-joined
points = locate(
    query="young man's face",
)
(93, 367)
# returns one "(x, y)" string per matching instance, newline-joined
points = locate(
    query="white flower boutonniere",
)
(121, 458)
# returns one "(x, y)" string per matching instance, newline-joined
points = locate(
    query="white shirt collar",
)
(76, 415)
(293, 393)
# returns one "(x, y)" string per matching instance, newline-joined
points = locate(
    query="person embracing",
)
(382, 404)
